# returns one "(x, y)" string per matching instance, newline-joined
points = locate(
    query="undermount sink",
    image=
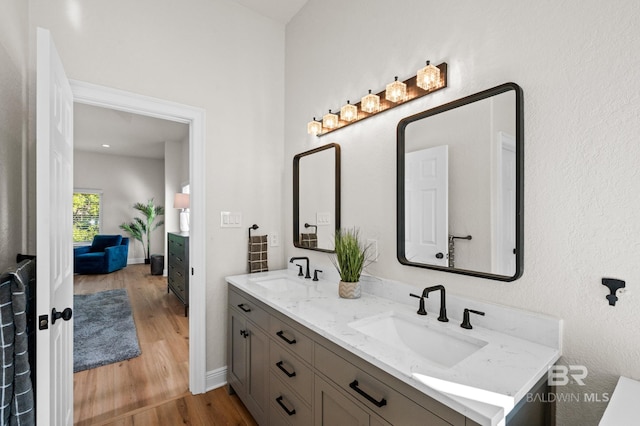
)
(278, 284)
(415, 335)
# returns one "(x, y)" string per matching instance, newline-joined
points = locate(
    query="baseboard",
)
(216, 378)
(134, 261)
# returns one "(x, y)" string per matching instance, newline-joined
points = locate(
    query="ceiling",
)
(127, 134)
(280, 10)
(141, 136)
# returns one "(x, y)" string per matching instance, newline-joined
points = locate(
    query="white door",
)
(54, 168)
(427, 205)
(506, 222)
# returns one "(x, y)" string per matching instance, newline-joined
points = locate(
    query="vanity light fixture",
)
(428, 77)
(314, 127)
(428, 80)
(370, 103)
(396, 91)
(349, 112)
(330, 120)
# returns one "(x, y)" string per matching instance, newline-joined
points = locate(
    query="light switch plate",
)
(230, 219)
(323, 218)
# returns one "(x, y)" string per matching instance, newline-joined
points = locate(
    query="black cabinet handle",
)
(241, 306)
(284, 370)
(244, 333)
(284, 407)
(354, 385)
(281, 335)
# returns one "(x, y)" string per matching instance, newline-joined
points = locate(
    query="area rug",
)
(104, 331)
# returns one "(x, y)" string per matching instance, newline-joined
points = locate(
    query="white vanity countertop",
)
(504, 370)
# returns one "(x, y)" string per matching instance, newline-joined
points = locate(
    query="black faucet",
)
(443, 302)
(307, 273)
(421, 309)
(465, 318)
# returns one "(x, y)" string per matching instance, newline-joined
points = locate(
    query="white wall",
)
(13, 128)
(123, 181)
(577, 62)
(212, 54)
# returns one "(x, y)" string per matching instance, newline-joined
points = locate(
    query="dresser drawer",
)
(177, 241)
(291, 370)
(250, 309)
(290, 336)
(375, 395)
(286, 407)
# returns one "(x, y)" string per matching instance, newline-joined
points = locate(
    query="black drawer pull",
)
(284, 370)
(284, 407)
(281, 335)
(241, 306)
(354, 385)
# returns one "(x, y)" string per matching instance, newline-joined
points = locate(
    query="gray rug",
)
(104, 331)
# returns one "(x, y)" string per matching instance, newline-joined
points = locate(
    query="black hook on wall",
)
(614, 285)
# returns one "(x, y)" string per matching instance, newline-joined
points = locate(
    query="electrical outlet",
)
(274, 241)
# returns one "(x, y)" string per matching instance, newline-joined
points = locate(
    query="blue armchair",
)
(107, 253)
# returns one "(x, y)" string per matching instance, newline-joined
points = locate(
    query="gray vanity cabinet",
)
(332, 407)
(248, 356)
(286, 374)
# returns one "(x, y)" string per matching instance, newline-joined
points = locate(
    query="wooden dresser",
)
(178, 276)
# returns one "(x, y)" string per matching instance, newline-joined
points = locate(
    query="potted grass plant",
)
(140, 228)
(350, 258)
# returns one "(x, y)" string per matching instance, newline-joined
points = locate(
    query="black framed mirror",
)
(316, 197)
(460, 186)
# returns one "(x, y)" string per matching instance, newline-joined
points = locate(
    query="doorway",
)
(86, 93)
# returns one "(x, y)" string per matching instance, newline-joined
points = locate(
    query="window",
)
(87, 212)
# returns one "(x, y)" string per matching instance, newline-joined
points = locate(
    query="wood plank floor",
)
(151, 389)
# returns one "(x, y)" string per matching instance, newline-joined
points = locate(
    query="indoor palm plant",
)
(140, 229)
(350, 258)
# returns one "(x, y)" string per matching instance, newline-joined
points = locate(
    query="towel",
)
(17, 397)
(309, 240)
(258, 254)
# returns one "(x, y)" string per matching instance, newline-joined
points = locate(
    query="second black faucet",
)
(307, 272)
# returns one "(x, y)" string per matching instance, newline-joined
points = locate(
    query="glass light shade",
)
(396, 91)
(370, 103)
(330, 120)
(349, 112)
(314, 127)
(428, 77)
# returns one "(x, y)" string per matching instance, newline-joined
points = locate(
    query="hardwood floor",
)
(152, 389)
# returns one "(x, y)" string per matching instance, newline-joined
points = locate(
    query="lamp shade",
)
(370, 103)
(330, 120)
(428, 77)
(396, 91)
(349, 112)
(314, 127)
(181, 201)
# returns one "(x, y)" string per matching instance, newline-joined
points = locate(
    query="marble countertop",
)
(520, 345)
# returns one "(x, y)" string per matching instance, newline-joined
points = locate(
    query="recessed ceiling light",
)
(106, 145)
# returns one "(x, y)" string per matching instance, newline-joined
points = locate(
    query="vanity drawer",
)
(291, 370)
(249, 308)
(286, 407)
(291, 337)
(389, 404)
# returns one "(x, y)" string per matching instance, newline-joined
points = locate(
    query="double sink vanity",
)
(298, 354)
(301, 355)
